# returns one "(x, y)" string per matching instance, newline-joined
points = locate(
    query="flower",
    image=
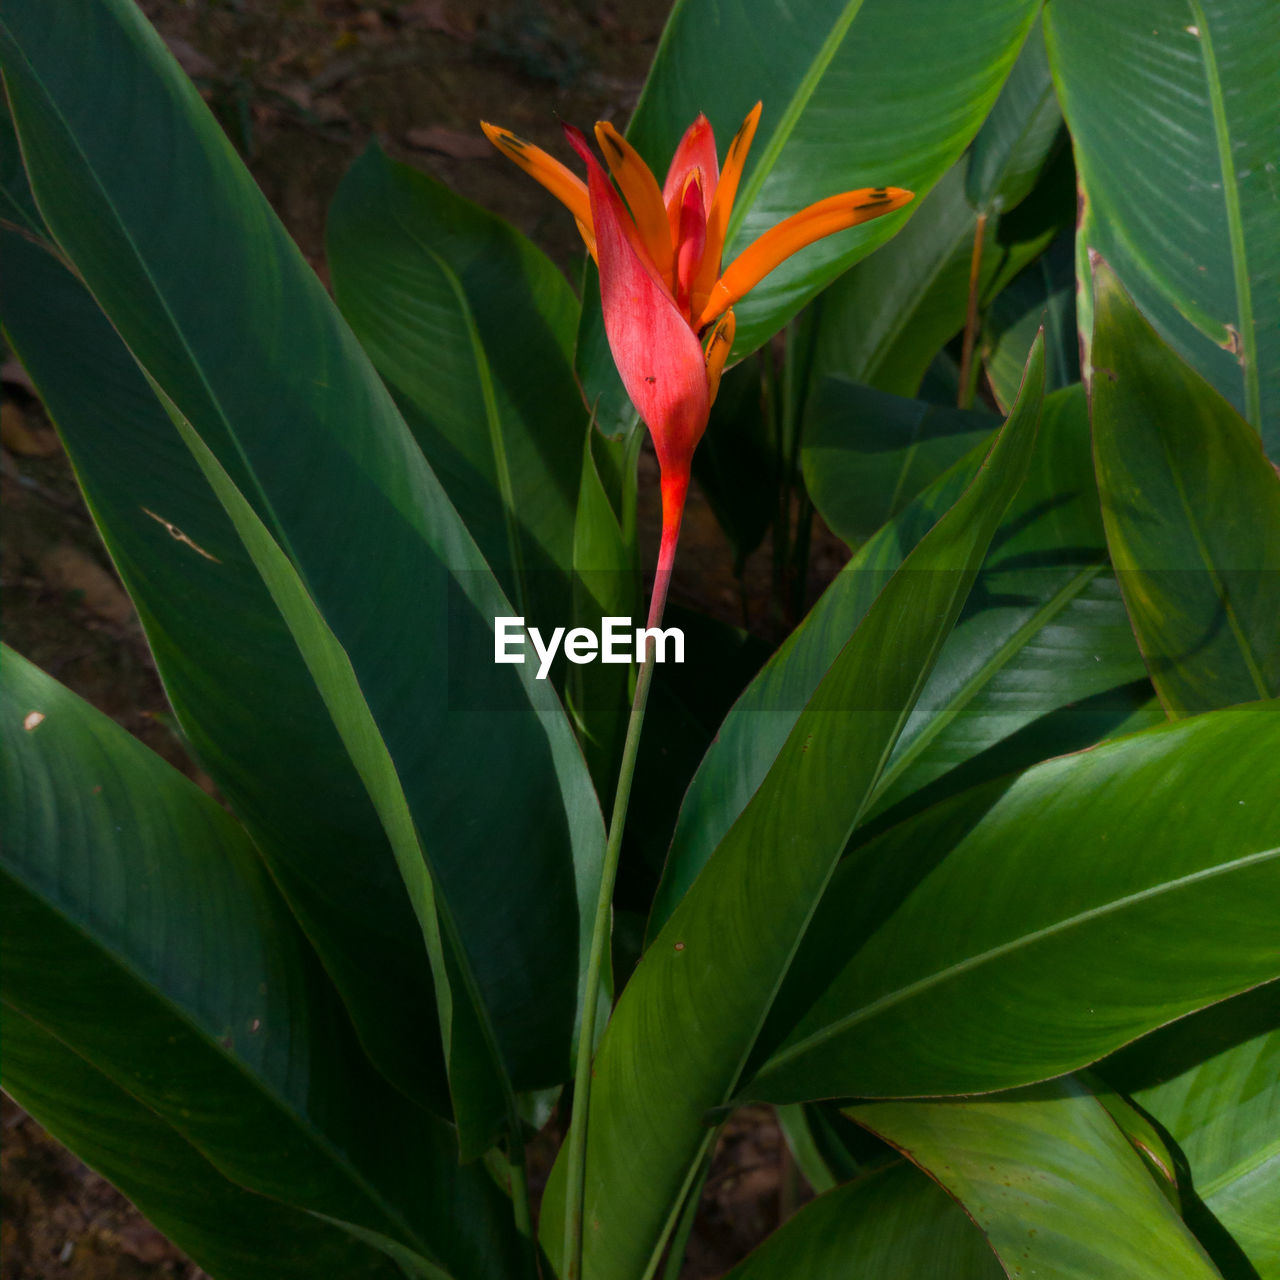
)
(667, 304)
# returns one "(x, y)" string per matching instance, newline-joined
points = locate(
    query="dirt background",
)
(302, 86)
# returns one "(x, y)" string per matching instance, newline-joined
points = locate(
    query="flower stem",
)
(964, 399)
(519, 1179)
(575, 1191)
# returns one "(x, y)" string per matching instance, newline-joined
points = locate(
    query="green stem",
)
(968, 379)
(684, 1227)
(576, 1169)
(519, 1177)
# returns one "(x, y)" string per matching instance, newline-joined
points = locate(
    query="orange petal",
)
(836, 213)
(722, 203)
(640, 188)
(565, 185)
(719, 344)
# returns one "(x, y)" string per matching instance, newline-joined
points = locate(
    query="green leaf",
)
(386, 593)
(856, 93)
(1065, 907)
(1192, 509)
(867, 454)
(149, 959)
(1018, 137)
(892, 1225)
(1212, 1082)
(736, 465)
(472, 328)
(758, 724)
(1050, 1180)
(828, 1148)
(1174, 119)
(883, 321)
(708, 978)
(605, 585)
(1042, 662)
(1043, 295)
(227, 659)
(232, 1233)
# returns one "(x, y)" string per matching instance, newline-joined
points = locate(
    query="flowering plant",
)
(958, 868)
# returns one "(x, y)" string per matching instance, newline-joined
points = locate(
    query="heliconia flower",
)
(666, 300)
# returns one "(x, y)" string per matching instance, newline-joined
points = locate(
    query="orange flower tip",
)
(747, 127)
(503, 139)
(885, 198)
(719, 344)
(610, 141)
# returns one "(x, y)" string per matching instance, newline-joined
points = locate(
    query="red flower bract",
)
(666, 301)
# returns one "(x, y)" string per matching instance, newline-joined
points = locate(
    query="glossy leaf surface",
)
(1192, 510)
(1043, 660)
(1037, 923)
(1212, 1082)
(145, 943)
(472, 327)
(326, 472)
(867, 454)
(1017, 138)
(226, 657)
(1042, 295)
(921, 80)
(1174, 120)
(709, 976)
(232, 1233)
(1050, 1180)
(891, 1225)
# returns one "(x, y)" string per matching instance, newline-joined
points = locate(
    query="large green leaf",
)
(1032, 925)
(605, 584)
(892, 1225)
(151, 961)
(472, 327)
(867, 454)
(855, 92)
(1050, 1180)
(883, 321)
(1192, 509)
(757, 726)
(1019, 136)
(708, 978)
(232, 1233)
(1043, 295)
(1212, 1082)
(225, 656)
(1174, 117)
(1043, 661)
(388, 597)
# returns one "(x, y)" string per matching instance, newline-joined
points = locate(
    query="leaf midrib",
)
(488, 396)
(1243, 643)
(790, 117)
(1235, 222)
(143, 266)
(1241, 1169)
(942, 976)
(989, 670)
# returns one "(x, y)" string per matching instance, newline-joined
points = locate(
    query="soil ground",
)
(302, 86)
